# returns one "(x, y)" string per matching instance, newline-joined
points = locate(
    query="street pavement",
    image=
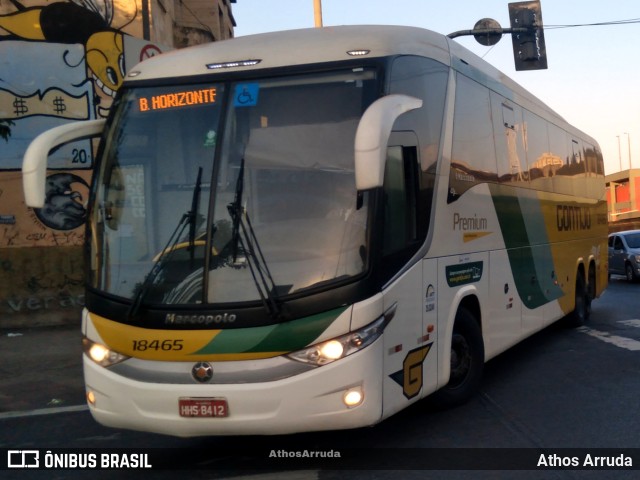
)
(37, 361)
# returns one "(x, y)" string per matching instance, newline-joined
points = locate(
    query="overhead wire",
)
(597, 24)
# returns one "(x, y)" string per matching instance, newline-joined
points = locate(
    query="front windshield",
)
(281, 216)
(633, 240)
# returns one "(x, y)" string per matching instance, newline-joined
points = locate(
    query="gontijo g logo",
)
(410, 377)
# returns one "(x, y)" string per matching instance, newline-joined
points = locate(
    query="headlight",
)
(101, 354)
(343, 346)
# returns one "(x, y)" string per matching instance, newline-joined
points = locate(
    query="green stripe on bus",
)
(529, 253)
(283, 337)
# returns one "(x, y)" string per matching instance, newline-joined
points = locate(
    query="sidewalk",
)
(40, 368)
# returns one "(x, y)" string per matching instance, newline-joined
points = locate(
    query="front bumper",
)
(309, 401)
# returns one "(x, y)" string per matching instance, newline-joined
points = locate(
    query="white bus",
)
(313, 229)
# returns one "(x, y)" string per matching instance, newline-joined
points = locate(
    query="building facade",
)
(62, 61)
(623, 200)
(191, 22)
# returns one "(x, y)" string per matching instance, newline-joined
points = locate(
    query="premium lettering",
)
(469, 223)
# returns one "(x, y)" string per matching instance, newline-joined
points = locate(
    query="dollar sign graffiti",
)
(59, 105)
(20, 106)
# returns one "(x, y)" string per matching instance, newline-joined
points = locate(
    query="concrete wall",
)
(40, 286)
(62, 62)
(59, 62)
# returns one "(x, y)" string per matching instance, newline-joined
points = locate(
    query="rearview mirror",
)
(372, 137)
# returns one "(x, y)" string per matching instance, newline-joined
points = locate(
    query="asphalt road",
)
(560, 389)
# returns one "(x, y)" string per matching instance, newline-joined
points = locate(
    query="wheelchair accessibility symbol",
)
(246, 95)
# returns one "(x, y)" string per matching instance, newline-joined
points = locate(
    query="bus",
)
(314, 229)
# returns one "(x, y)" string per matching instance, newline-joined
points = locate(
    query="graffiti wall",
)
(60, 61)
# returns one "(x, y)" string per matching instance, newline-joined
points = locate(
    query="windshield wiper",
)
(235, 211)
(193, 214)
(188, 218)
(244, 237)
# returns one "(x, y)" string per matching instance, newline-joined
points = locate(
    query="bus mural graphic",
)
(318, 215)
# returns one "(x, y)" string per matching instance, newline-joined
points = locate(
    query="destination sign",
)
(165, 101)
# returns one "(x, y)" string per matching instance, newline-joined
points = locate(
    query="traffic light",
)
(529, 50)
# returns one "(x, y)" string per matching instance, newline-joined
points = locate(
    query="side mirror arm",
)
(372, 137)
(34, 162)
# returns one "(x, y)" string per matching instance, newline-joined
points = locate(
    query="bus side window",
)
(508, 134)
(473, 154)
(400, 237)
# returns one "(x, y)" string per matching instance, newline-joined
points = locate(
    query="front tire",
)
(629, 273)
(467, 362)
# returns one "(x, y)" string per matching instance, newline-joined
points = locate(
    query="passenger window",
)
(618, 244)
(400, 187)
(426, 79)
(473, 157)
(577, 167)
(508, 117)
(404, 228)
(537, 149)
(556, 166)
(595, 185)
(576, 151)
(509, 140)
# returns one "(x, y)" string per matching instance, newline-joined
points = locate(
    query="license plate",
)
(203, 407)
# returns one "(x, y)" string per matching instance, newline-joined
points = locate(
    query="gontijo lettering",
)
(571, 218)
(178, 99)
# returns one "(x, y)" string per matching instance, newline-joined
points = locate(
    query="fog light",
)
(353, 398)
(91, 398)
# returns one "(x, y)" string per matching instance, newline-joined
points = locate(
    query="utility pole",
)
(629, 147)
(317, 12)
(146, 24)
(619, 152)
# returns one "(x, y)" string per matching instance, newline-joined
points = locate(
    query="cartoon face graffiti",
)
(87, 22)
(64, 207)
(104, 49)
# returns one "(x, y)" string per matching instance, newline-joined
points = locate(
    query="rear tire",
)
(582, 307)
(467, 362)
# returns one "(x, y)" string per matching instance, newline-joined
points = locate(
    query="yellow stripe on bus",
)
(165, 345)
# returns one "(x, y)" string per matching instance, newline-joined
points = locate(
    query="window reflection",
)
(497, 141)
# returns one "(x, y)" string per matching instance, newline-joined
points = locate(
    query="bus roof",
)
(297, 47)
(331, 44)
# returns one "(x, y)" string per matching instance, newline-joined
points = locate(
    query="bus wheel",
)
(467, 362)
(582, 307)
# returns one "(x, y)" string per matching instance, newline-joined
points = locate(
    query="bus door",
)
(410, 362)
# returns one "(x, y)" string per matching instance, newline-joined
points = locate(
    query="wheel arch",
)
(467, 298)
(581, 308)
(469, 345)
(592, 278)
